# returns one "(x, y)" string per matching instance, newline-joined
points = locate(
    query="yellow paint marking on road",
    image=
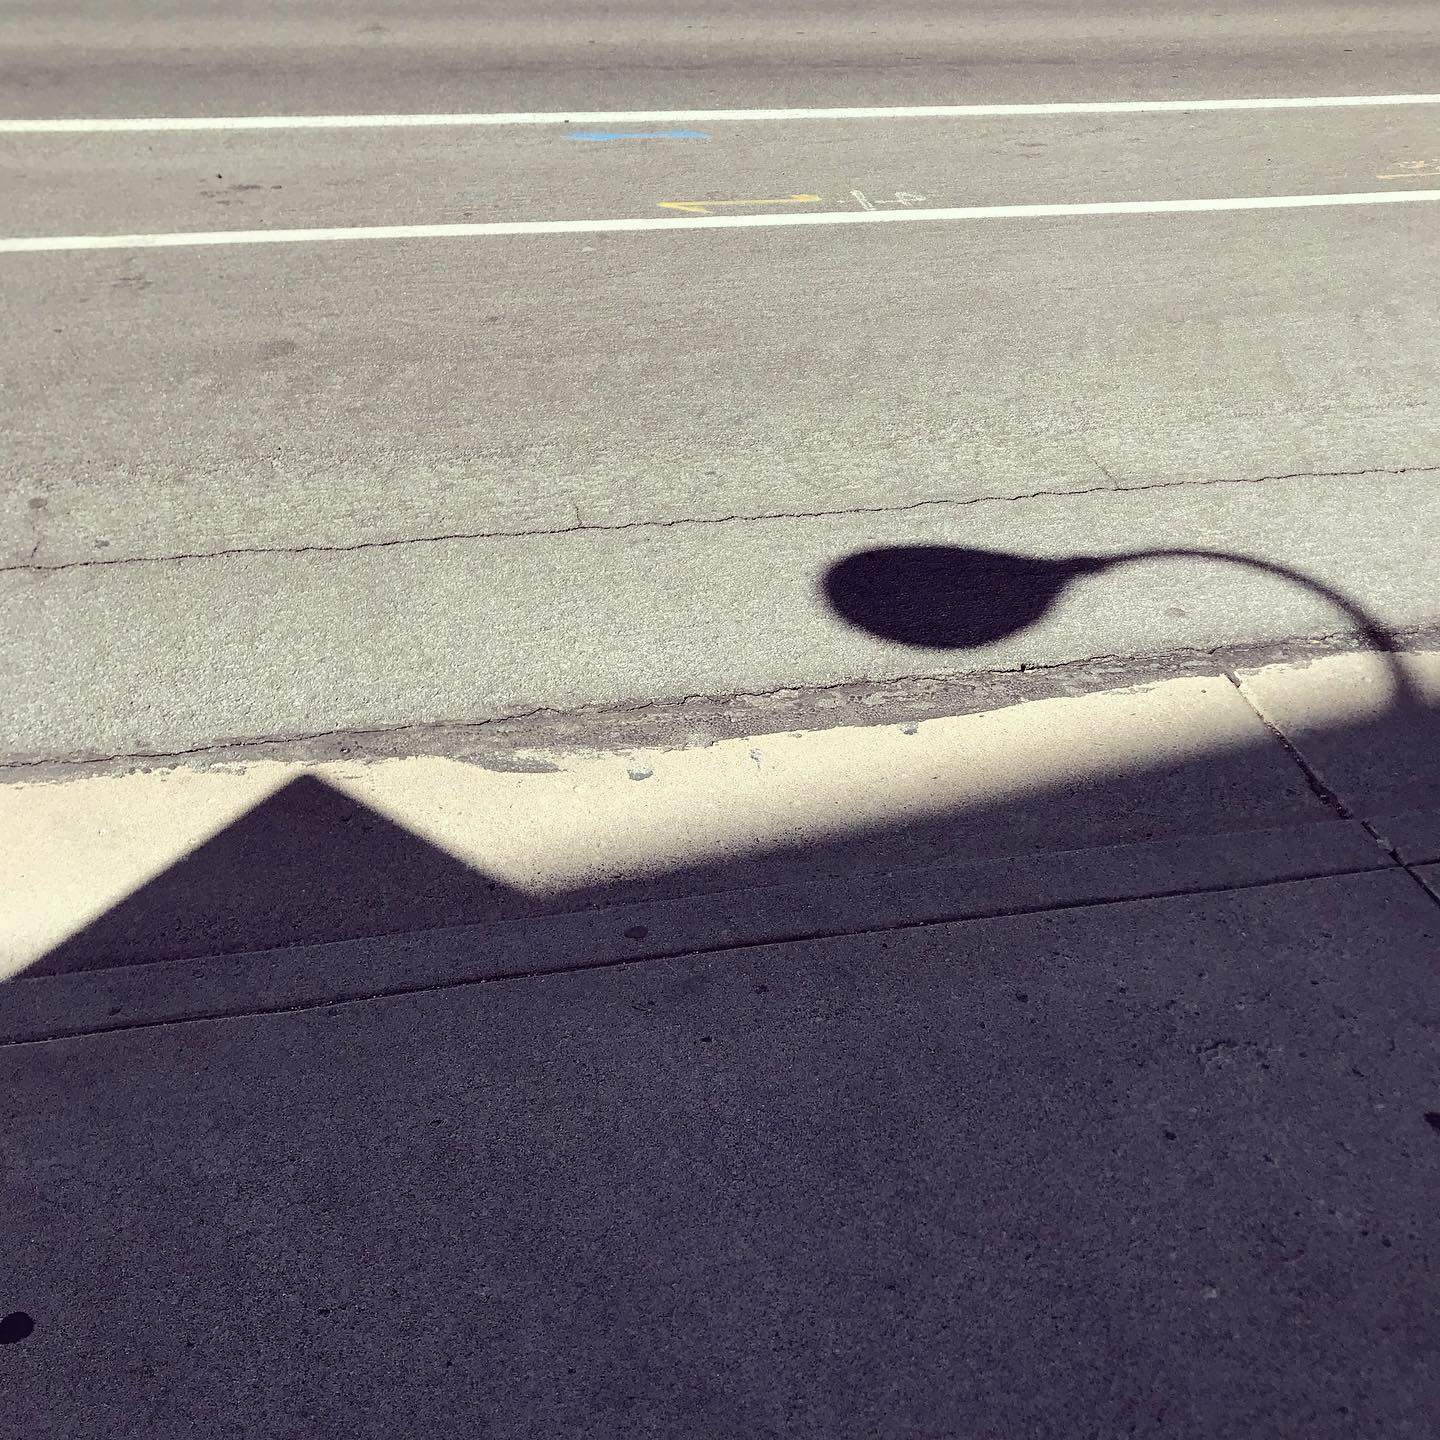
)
(1411, 170)
(704, 207)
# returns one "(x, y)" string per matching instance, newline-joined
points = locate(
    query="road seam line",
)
(1313, 780)
(1322, 789)
(585, 528)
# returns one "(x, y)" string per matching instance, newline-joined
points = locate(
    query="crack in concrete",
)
(37, 513)
(1322, 790)
(580, 528)
(1105, 471)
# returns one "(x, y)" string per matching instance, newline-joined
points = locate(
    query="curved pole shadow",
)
(951, 597)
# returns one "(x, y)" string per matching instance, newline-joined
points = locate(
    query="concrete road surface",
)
(374, 372)
(352, 482)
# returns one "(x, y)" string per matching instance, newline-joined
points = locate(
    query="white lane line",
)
(102, 126)
(704, 222)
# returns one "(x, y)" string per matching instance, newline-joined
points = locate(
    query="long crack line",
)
(34, 566)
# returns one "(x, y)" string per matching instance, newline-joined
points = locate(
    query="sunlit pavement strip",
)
(707, 222)
(73, 849)
(70, 850)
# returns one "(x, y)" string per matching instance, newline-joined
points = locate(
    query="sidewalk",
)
(1082, 1084)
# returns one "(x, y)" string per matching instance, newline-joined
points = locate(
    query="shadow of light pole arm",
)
(951, 597)
(1375, 635)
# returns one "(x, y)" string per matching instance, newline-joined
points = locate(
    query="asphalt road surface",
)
(260, 488)
(229, 57)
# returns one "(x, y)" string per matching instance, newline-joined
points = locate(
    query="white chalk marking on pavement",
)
(102, 125)
(704, 222)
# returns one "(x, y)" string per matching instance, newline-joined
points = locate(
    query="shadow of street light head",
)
(955, 597)
(948, 597)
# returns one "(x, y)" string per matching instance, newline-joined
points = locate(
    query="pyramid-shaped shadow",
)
(306, 864)
(310, 864)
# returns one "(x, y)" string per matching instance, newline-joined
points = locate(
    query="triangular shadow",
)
(304, 865)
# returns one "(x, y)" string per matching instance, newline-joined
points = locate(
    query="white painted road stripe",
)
(645, 117)
(703, 222)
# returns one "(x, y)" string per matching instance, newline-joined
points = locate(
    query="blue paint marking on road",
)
(636, 135)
